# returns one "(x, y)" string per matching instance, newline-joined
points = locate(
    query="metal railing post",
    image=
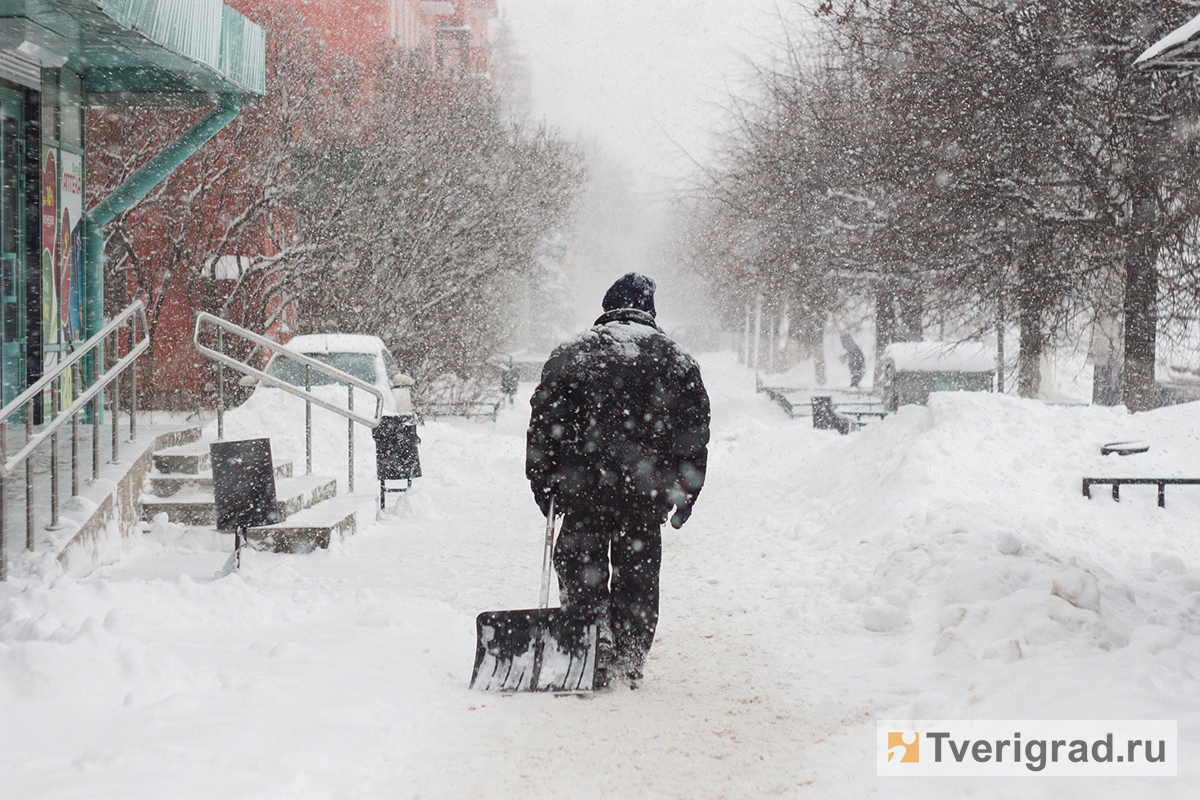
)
(86, 363)
(350, 427)
(220, 388)
(307, 422)
(97, 412)
(3, 505)
(29, 478)
(115, 406)
(132, 384)
(54, 525)
(75, 389)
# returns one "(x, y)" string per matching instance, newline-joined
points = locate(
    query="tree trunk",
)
(745, 351)
(1031, 302)
(1000, 341)
(819, 362)
(758, 313)
(1141, 311)
(1029, 357)
(885, 322)
(912, 308)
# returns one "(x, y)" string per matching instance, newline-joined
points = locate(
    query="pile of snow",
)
(941, 563)
(971, 528)
(944, 564)
(941, 356)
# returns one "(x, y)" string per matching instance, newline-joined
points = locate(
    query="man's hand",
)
(680, 516)
(542, 495)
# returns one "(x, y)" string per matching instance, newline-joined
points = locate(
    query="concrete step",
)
(187, 459)
(169, 485)
(310, 529)
(199, 508)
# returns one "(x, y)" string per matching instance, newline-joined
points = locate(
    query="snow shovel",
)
(535, 650)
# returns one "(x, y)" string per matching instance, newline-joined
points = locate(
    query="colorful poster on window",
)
(70, 255)
(50, 337)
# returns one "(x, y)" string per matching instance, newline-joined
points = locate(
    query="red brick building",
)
(454, 35)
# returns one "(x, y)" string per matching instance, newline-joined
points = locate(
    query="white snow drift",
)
(942, 563)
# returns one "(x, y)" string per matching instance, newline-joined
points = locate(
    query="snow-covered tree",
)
(424, 232)
(979, 161)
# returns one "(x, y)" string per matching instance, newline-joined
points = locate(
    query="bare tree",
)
(424, 232)
(218, 234)
(1031, 116)
(975, 161)
(400, 206)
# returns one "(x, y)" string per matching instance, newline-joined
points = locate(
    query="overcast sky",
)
(643, 78)
(645, 81)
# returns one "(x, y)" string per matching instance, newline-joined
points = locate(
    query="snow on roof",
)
(1167, 51)
(336, 343)
(941, 356)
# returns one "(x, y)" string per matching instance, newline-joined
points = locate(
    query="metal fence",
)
(66, 382)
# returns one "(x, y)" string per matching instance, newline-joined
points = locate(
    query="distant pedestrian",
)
(854, 359)
(619, 436)
(508, 381)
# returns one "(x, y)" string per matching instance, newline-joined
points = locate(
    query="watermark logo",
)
(904, 747)
(1030, 748)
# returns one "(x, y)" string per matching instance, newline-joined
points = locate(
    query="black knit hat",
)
(631, 291)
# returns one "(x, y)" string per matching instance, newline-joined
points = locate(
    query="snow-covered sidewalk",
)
(939, 564)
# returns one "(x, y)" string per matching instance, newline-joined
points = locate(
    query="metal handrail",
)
(69, 369)
(80, 352)
(9, 464)
(276, 347)
(305, 394)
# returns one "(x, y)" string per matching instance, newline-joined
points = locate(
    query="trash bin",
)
(396, 457)
(243, 488)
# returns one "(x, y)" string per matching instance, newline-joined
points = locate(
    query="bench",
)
(488, 408)
(800, 403)
(1117, 483)
(849, 412)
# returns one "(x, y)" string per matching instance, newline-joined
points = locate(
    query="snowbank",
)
(954, 545)
(942, 563)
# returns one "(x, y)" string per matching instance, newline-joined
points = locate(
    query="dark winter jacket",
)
(854, 355)
(620, 420)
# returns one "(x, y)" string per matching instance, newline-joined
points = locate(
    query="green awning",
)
(152, 46)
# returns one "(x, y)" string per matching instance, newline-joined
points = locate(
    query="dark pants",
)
(632, 541)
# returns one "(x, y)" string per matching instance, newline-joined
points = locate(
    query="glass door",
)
(12, 245)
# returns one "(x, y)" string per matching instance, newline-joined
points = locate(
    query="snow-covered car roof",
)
(336, 343)
(941, 356)
(1176, 49)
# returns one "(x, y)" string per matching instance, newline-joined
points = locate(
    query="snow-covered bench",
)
(798, 402)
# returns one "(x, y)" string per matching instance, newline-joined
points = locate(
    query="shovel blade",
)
(534, 650)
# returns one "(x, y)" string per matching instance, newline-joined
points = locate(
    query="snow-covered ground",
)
(942, 563)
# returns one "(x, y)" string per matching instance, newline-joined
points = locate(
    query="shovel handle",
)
(548, 557)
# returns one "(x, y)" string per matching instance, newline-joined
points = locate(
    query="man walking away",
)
(854, 359)
(619, 436)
